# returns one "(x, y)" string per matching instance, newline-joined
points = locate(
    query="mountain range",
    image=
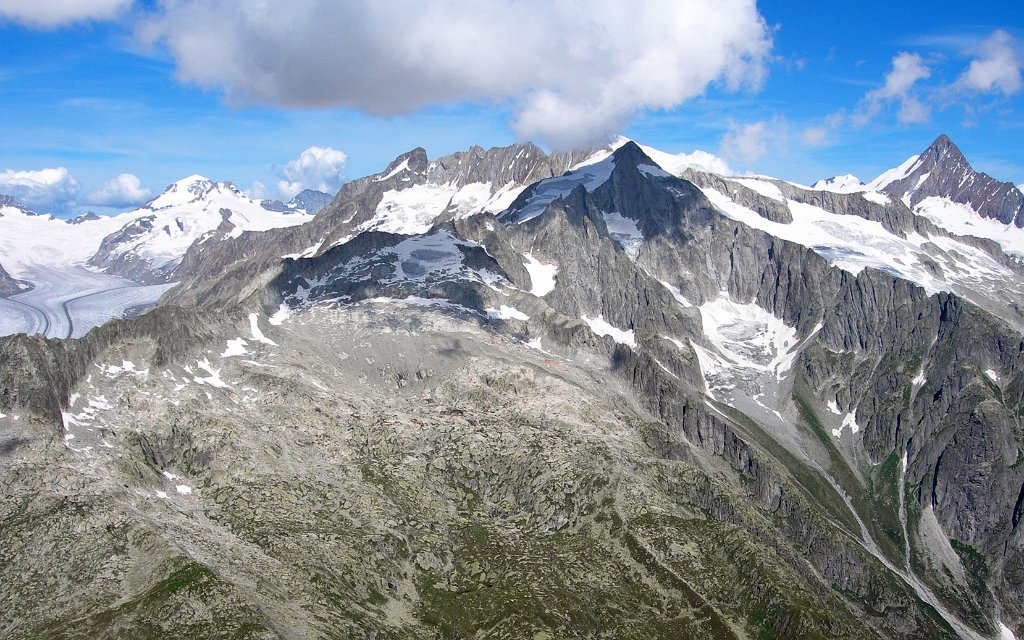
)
(507, 394)
(147, 243)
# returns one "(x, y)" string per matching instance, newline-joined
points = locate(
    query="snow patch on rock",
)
(602, 327)
(505, 312)
(625, 232)
(542, 276)
(257, 333)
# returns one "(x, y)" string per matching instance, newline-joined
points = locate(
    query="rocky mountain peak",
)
(88, 216)
(942, 171)
(519, 164)
(943, 154)
(189, 189)
(631, 154)
(414, 161)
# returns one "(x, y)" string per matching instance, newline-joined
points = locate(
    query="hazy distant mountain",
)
(12, 203)
(840, 184)
(311, 201)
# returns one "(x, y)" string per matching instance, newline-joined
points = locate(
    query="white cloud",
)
(997, 67)
(705, 161)
(321, 168)
(258, 191)
(122, 192)
(752, 141)
(678, 162)
(907, 70)
(815, 136)
(44, 191)
(574, 72)
(48, 14)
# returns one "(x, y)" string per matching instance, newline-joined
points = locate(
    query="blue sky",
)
(814, 90)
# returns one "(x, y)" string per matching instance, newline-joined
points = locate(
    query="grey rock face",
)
(943, 171)
(85, 217)
(766, 207)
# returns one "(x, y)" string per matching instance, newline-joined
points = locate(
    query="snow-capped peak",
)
(183, 191)
(848, 183)
(158, 234)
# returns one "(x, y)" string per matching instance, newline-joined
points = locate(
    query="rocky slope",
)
(624, 404)
(8, 285)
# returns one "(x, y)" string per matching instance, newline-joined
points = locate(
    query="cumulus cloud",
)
(44, 191)
(752, 141)
(705, 161)
(48, 14)
(997, 67)
(574, 72)
(258, 191)
(320, 168)
(907, 70)
(121, 192)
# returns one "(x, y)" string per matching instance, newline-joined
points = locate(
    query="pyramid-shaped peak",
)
(942, 171)
(943, 146)
(630, 153)
(189, 182)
